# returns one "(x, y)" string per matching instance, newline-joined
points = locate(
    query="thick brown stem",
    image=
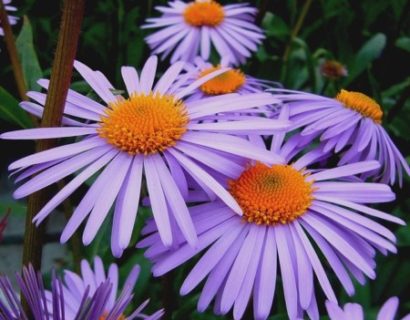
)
(12, 51)
(73, 11)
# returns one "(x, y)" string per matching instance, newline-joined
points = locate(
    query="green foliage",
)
(28, 57)
(370, 51)
(11, 111)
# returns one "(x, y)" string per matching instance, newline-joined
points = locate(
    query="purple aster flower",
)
(350, 122)
(354, 311)
(153, 132)
(12, 19)
(76, 287)
(288, 212)
(231, 81)
(192, 28)
(51, 305)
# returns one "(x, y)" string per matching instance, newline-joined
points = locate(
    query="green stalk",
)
(73, 11)
(12, 51)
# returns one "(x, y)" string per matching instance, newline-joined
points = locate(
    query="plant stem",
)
(168, 294)
(73, 11)
(296, 28)
(12, 51)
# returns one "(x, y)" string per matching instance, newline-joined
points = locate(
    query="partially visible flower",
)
(351, 122)
(333, 69)
(193, 28)
(76, 287)
(354, 311)
(231, 81)
(3, 224)
(154, 132)
(12, 19)
(292, 215)
(50, 305)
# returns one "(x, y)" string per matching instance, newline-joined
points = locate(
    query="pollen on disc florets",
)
(204, 13)
(227, 82)
(105, 316)
(144, 123)
(272, 195)
(361, 103)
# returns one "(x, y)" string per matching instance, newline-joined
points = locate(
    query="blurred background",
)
(318, 46)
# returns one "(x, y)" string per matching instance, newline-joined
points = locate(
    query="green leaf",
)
(403, 43)
(28, 57)
(275, 26)
(11, 111)
(366, 55)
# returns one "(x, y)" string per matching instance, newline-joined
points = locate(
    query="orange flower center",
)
(105, 315)
(227, 82)
(272, 195)
(361, 103)
(144, 123)
(204, 13)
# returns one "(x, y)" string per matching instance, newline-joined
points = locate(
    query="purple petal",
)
(103, 203)
(47, 133)
(158, 202)
(58, 153)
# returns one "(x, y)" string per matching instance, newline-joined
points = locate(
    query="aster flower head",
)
(351, 123)
(234, 80)
(192, 28)
(354, 311)
(288, 210)
(77, 286)
(153, 132)
(12, 19)
(51, 305)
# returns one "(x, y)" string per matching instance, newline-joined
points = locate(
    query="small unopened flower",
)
(292, 216)
(154, 131)
(333, 69)
(12, 19)
(354, 311)
(350, 122)
(193, 28)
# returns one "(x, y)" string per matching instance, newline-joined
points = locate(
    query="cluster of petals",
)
(235, 36)
(354, 311)
(353, 131)
(92, 296)
(241, 259)
(208, 141)
(12, 19)
(189, 137)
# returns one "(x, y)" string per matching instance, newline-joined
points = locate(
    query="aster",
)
(193, 28)
(77, 286)
(288, 211)
(351, 123)
(12, 19)
(50, 305)
(354, 311)
(233, 80)
(155, 132)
